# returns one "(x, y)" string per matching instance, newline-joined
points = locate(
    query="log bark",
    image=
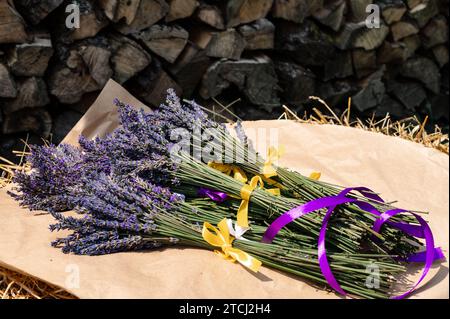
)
(228, 44)
(304, 42)
(423, 12)
(336, 92)
(372, 92)
(8, 87)
(424, 70)
(245, 11)
(410, 94)
(258, 35)
(254, 77)
(392, 107)
(31, 59)
(32, 92)
(297, 82)
(339, 67)
(12, 25)
(180, 9)
(63, 123)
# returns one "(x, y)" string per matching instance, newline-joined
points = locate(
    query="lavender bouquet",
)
(114, 183)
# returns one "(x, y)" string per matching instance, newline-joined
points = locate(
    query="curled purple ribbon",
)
(331, 202)
(214, 195)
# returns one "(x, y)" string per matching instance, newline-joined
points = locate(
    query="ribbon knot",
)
(246, 192)
(221, 238)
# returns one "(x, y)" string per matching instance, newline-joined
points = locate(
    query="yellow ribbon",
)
(246, 192)
(232, 170)
(272, 155)
(221, 238)
(271, 182)
(315, 176)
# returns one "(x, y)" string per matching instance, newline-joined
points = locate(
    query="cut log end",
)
(211, 15)
(180, 9)
(242, 11)
(31, 59)
(12, 25)
(227, 44)
(165, 41)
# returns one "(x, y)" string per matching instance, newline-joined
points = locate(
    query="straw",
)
(410, 128)
(14, 285)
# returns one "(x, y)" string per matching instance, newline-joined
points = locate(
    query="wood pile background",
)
(266, 52)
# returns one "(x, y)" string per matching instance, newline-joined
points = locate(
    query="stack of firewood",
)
(266, 52)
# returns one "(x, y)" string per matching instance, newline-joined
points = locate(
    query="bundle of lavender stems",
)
(136, 189)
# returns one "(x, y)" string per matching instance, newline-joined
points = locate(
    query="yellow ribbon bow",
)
(221, 238)
(272, 155)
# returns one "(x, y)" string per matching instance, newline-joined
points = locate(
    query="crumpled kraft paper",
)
(416, 176)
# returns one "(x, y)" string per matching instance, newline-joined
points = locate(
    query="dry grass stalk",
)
(14, 285)
(410, 128)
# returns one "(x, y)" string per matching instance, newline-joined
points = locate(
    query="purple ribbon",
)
(214, 195)
(331, 202)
